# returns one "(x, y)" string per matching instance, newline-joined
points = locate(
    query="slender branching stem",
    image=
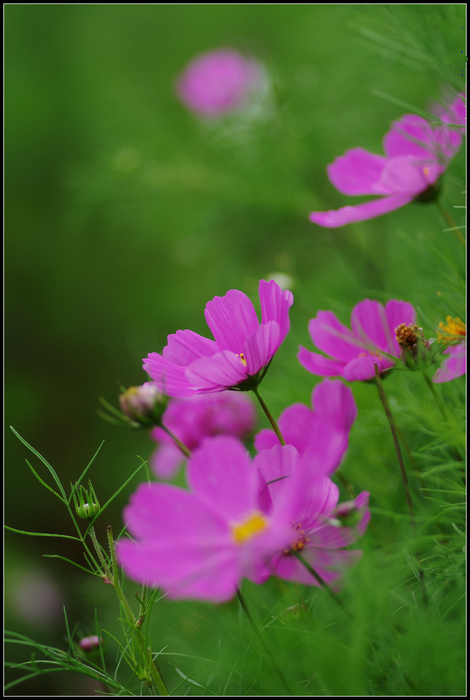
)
(321, 581)
(97, 547)
(157, 681)
(269, 416)
(185, 450)
(393, 428)
(450, 221)
(436, 398)
(262, 641)
(388, 413)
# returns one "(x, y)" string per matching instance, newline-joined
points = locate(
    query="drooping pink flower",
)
(356, 352)
(194, 418)
(201, 543)
(454, 366)
(218, 82)
(325, 428)
(239, 355)
(416, 155)
(296, 489)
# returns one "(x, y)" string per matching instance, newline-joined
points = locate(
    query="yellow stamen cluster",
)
(453, 330)
(371, 353)
(242, 358)
(250, 527)
(407, 336)
(301, 540)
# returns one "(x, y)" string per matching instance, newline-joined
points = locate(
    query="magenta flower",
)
(324, 429)
(356, 352)
(201, 543)
(197, 417)
(454, 366)
(416, 155)
(298, 490)
(240, 354)
(218, 82)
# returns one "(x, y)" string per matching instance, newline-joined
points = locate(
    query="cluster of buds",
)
(142, 407)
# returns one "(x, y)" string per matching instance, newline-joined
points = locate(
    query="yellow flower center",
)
(454, 329)
(250, 527)
(242, 358)
(426, 171)
(373, 353)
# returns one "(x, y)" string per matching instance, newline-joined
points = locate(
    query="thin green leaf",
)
(43, 483)
(42, 534)
(44, 461)
(77, 483)
(74, 563)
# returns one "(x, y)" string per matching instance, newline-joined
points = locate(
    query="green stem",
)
(322, 583)
(262, 641)
(450, 221)
(97, 547)
(393, 428)
(269, 416)
(391, 422)
(185, 450)
(436, 398)
(157, 680)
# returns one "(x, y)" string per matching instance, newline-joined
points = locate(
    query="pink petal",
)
(265, 440)
(408, 176)
(397, 312)
(232, 320)
(296, 425)
(220, 471)
(319, 365)
(170, 378)
(334, 402)
(186, 346)
(261, 347)
(165, 460)
(360, 212)
(410, 135)
(369, 322)
(454, 366)
(363, 368)
(275, 305)
(216, 373)
(333, 338)
(357, 172)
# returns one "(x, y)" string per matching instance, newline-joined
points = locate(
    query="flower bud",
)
(86, 504)
(414, 349)
(90, 644)
(145, 405)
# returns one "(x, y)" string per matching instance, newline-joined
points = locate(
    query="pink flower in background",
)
(218, 82)
(356, 352)
(297, 490)
(325, 428)
(454, 366)
(197, 417)
(243, 347)
(416, 155)
(201, 543)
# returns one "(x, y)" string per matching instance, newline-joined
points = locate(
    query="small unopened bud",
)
(90, 643)
(347, 514)
(86, 503)
(144, 404)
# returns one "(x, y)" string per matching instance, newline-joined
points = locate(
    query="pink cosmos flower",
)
(218, 82)
(416, 155)
(201, 543)
(298, 490)
(197, 417)
(356, 352)
(324, 428)
(454, 366)
(240, 354)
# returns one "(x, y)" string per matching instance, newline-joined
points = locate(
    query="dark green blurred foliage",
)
(125, 214)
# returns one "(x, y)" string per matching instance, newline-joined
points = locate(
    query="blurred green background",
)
(125, 214)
